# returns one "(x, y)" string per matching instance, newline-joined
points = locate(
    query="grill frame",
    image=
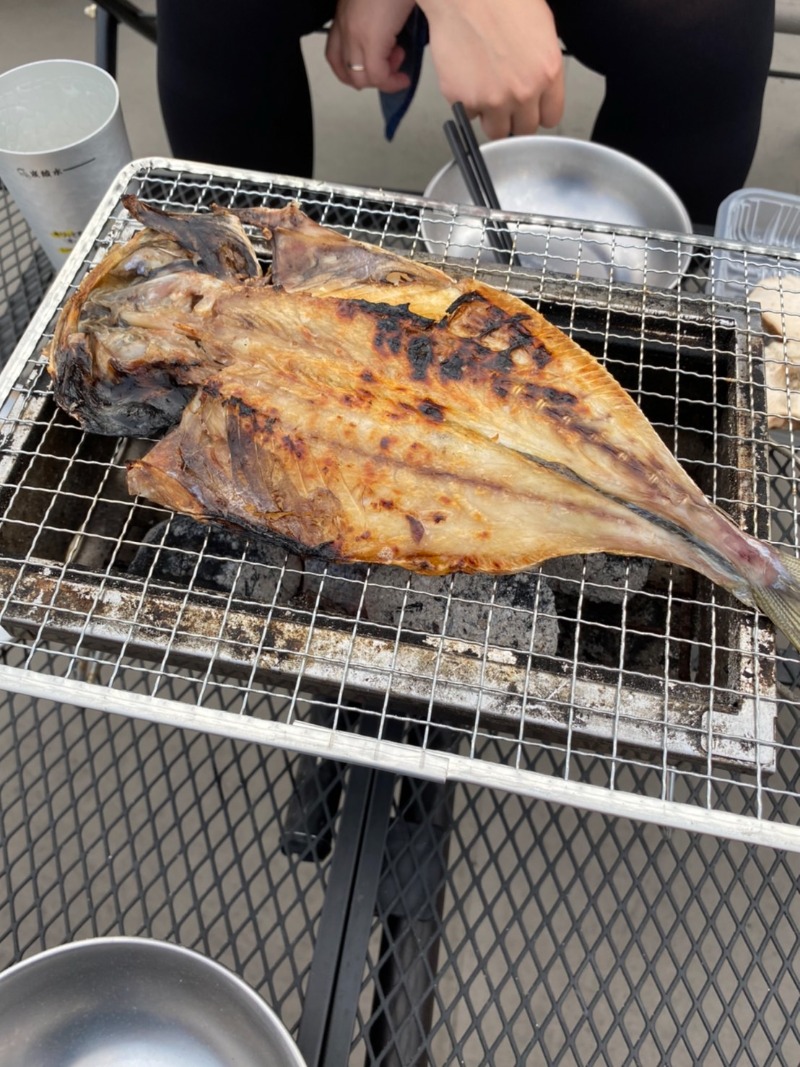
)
(354, 688)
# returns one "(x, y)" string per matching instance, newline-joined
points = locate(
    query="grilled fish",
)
(373, 409)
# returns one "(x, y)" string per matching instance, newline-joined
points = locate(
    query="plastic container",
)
(758, 218)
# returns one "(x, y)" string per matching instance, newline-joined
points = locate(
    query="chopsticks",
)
(470, 162)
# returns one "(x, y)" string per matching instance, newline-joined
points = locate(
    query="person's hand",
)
(501, 60)
(362, 44)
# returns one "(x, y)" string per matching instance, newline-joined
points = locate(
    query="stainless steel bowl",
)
(562, 178)
(126, 1002)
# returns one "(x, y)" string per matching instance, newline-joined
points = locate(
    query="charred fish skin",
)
(377, 410)
(215, 242)
(144, 408)
(127, 351)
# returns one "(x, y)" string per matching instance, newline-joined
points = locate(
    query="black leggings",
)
(232, 81)
(684, 83)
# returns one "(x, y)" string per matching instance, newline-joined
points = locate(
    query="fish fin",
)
(309, 256)
(781, 601)
(216, 242)
(267, 219)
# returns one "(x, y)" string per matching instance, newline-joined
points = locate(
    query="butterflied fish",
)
(374, 409)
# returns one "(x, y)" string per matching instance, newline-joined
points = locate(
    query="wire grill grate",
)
(661, 685)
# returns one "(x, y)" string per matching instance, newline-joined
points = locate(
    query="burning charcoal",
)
(337, 588)
(629, 636)
(467, 607)
(517, 597)
(604, 578)
(183, 551)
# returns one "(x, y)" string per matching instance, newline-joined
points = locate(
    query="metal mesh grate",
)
(667, 687)
(506, 930)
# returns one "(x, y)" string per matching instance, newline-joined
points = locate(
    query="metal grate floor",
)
(505, 930)
(110, 825)
(569, 938)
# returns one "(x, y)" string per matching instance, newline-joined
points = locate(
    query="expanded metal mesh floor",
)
(504, 930)
(114, 826)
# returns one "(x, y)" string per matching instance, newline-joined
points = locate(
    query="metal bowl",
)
(132, 1001)
(562, 178)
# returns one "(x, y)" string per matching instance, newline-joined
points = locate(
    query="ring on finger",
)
(357, 68)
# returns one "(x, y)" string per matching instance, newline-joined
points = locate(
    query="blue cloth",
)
(412, 38)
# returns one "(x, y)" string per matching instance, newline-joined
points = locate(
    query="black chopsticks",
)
(470, 162)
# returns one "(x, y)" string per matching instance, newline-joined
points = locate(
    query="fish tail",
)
(781, 600)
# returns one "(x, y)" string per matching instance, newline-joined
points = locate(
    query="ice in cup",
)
(62, 142)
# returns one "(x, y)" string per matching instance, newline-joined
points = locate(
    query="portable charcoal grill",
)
(643, 667)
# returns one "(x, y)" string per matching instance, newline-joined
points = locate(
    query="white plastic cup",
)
(62, 142)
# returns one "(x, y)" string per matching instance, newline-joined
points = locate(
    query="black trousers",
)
(684, 79)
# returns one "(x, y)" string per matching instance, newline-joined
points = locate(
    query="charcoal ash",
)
(614, 613)
(535, 611)
(458, 606)
(474, 608)
(470, 608)
(630, 635)
(598, 577)
(184, 552)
